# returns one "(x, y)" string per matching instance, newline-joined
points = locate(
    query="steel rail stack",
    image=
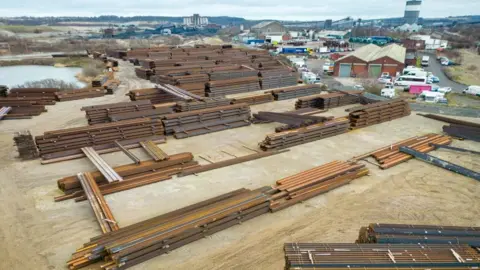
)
(76, 94)
(100, 208)
(296, 91)
(186, 124)
(254, 99)
(186, 106)
(371, 114)
(101, 113)
(139, 242)
(328, 101)
(101, 165)
(96, 135)
(134, 175)
(307, 184)
(232, 86)
(383, 256)
(419, 234)
(155, 95)
(390, 156)
(306, 134)
(154, 151)
(284, 78)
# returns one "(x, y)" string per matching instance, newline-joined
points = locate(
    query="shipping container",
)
(418, 89)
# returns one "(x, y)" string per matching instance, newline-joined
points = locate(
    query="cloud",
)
(249, 9)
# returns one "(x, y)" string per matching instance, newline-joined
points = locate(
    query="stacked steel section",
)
(463, 131)
(101, 113)
(296, 91)
(313, 182)
(43, 96)
(379, 256)
(155, 95)
(390, 156)
(278, 78)
(76, 94)
(379, 112)
(185, 106)
(414, 234)
(232, 86)
(76, 138)
(328, 101)
(186, 124)
(139, 242)
(134, 175)
(26, 146)
(254, 99)
(306, 134)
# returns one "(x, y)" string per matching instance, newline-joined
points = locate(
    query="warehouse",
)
(371, 61)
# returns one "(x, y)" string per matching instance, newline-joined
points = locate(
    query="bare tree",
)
(47, 83)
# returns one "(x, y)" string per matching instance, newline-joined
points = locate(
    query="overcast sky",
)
(249, 9)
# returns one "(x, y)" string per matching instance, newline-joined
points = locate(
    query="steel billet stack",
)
(27, 149)
(186, 124)
(100, 113)
(307, 184)
(414, 234)
(134, 175)
(76, 138)
(296, 91)
(327, 101)
(379, 256)
(306, 134)
(378, 112)
(140, 242)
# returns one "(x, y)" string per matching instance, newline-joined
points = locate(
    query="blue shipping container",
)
(255, 41)
(294, 50)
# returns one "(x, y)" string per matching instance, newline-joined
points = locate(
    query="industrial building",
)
(269, 27)
(412, 11)
(371, 61)
(431, 43)
(195, 20)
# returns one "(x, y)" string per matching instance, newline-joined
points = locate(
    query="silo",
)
(412, 11)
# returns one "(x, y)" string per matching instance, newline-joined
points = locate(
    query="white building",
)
(431, 43)
(195, 20)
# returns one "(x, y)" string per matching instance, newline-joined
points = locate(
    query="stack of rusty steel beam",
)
(390, 156)
(41, 96)
(275, 72)
(21, 108)
(227, 75)
(176, 80)
(157, 113)
(380, 256)
(116, 53)
(154, 151)
(143, 73)
(99, 206)
(418, 234)
(186, 106)
(296, 91)
(292, 121)
(254, 99)
(310, 183)
(98, 114)
(134, 175)
(76, 94)
(139, 242)
(278, 81)
(99, 81)
(306, 134)
(155, 95)
(26, 147)
(379, 112)
(232, 86)
(192, 123)
(328, 101)
(76, 138)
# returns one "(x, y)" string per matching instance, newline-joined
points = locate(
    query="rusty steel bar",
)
(154, 151)
(101, 165)
(127, 152)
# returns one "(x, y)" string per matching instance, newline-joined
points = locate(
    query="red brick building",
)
(371, 61)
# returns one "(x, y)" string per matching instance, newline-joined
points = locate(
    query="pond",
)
(16, 75)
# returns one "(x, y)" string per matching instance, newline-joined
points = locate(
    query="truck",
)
(425, 60)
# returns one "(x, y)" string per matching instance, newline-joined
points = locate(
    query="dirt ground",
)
(37, 233)
(468, 72)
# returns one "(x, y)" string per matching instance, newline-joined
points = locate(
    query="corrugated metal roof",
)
(373, 52)
(262, 24)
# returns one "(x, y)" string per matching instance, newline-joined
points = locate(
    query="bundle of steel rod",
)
(232, 86)
(328, 101)
(390, 156)
(450, 120)
(186, 106)
(379, 112)
(254, 99)
(232, 74)
(292, 121)
(26, 147)
(143, 73)
(381, 256)
(100, 208)
(4, 111)
(463, 132)
(43, 96)
(414, 234)
(306, 134)
(76, 94)
(310, 183)
(296, 91)
(139, 242)
(134, 175)
(76, 138)
(271, 82)
(193, 123)
(101, 113)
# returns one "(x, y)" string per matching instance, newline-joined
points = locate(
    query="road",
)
(436, 68)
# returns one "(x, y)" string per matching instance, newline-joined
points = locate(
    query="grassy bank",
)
(468, 72)
(21, 29)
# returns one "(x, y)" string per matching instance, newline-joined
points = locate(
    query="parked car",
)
(384, 80)
(433, 79)
(472, 90)
(359, 87)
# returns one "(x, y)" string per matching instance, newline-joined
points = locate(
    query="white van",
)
(425, 60)
(410, 69)
(417, 73)
(405, 81)
(472, 90)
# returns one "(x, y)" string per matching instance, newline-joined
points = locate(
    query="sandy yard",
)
(37, 233)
